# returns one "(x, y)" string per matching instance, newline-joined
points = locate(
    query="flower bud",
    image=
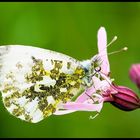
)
(134, 74)
(125, 99)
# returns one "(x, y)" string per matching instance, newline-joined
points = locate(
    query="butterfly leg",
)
(86, 95)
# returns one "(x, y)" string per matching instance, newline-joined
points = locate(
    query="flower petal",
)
(83, 106)
(102, 49)
(83, 97)
(63, 112)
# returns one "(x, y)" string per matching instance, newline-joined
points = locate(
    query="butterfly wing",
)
(34, 81)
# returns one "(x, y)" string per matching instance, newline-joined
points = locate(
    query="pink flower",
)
(102, 88)
(134, 74)
(124, 98)
(90, 100)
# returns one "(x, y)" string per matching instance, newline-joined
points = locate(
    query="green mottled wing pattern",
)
(35, 81)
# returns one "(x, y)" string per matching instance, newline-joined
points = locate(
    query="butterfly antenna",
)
(112, 41)
(123, 49)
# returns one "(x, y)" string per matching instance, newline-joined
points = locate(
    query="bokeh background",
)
(71, 28)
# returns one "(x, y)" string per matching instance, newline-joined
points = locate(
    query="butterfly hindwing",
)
(33, 81)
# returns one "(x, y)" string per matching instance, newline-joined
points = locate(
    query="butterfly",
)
(35, 81)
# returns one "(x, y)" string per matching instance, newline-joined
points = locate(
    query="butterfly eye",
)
(98, 69)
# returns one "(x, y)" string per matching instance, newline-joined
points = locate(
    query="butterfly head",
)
(96, 62)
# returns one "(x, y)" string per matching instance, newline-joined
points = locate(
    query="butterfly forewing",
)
(33, 81)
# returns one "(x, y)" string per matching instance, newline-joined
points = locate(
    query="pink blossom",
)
(90, 100)
(125, 98)
(134, 74)
(102, 89)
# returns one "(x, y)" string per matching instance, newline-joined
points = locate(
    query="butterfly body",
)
(35, 81)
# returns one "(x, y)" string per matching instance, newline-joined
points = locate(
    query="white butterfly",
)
(35, 81)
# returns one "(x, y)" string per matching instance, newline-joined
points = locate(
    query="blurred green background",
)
(71, 28)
